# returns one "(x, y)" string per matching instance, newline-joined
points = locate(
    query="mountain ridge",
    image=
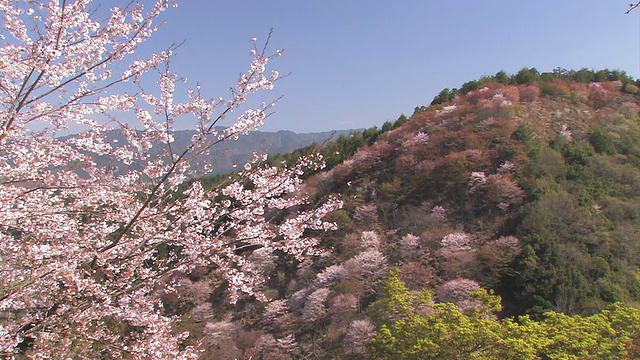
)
(226, 155)
(526, 187)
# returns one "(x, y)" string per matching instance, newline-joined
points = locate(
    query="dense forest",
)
(501, 221)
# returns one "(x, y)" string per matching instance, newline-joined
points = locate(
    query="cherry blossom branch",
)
(80, 239)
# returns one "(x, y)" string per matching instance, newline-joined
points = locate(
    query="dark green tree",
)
(527, 76)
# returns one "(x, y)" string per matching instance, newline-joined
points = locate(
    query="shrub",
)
(555, 87)
(630, 88)
(529, 93)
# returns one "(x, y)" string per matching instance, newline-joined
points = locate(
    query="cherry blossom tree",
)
(359, 332)
(367, 267)
(330, 276)
(220, 333)
(370, 239)
(409, 247)
(529, 93)
(458, 291)
(439, 212)
(268, 347)
(456, 254)
(80, 254)
(366, 214)
(457, 241)
(343, 308)
(315, 308)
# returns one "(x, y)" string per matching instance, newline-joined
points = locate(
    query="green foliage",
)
(370, 135)
(630, 88)
(576, 153)
(469, 86)
(601, 142)
(559, 232)
(401, 121)
(584, 76)
(444, 96)
(398, 302)
(340, 217)
(444, 332)
(388, 125)
(502, 77)
(392, 190)
(527, 76)
(547, 163)
(524, 133)
(611, 334)
(612, 75)
(574, 251)
(419, 109)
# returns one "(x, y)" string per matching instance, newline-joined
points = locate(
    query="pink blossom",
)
(370, 240)
(359, 332)
(508, 245)
(420, 138)
(459, 291)
(367, 267)
(315, 308)
(330, 276)
(409, 245)
(506, 167)
(268, 347)
(439, 212)
(219, 333)
(273, 311)
(447, 109)
(566, 132)
(476, 181)
(500, 100)
(367, 213)
(80, 241)
(458, 241)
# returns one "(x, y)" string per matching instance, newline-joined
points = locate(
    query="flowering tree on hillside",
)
(84, 247)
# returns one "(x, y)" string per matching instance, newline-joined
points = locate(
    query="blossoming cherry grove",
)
(80, 243)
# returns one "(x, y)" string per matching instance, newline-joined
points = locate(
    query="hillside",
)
(527, 186)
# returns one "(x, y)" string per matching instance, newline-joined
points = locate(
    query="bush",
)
(629, 88)
(555, 87)
(601, 142)
(529, 93)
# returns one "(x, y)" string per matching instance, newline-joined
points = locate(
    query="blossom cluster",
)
(477, 180)
(566, 132)
(86, 245)
(457, 241)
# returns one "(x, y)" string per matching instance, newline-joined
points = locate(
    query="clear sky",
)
(358, 63)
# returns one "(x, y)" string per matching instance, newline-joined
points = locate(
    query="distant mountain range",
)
(225, 155)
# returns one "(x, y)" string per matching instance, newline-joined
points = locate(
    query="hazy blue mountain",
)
(225, 154)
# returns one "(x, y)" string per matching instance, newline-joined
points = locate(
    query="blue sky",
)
(356, 64)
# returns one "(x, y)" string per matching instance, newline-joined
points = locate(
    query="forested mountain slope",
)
(524, 185)
(553, 165)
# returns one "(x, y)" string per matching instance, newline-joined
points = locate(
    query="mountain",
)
(552, 169)
(525, 185)
(223, 156)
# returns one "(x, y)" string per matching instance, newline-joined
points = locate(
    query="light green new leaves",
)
(423, 330)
